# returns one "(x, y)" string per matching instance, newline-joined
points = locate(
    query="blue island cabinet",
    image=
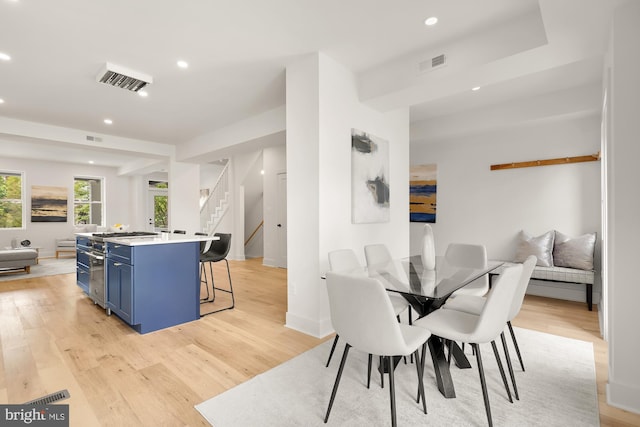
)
(119, 289)
(154, 286)
(83, 275)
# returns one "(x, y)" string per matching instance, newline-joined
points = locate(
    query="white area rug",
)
(45, 267)
(557, 389)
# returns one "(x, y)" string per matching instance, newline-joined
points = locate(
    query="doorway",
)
(157, 208)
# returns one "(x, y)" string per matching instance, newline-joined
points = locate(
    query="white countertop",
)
(161, 239)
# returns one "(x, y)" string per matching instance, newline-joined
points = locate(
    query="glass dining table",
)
(426, 291)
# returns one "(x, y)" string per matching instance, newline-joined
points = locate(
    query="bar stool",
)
(218, 251)
(203, 247)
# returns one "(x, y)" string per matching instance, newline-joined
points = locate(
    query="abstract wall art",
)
(48, 204)
(423, 187)
(369, 178)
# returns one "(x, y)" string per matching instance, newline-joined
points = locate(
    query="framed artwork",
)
(423, 186)
(369, 178)
(48, 204)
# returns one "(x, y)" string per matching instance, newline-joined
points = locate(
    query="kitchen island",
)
(150, 282)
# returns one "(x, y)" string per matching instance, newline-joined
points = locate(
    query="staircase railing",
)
(215, 199)
(254, 232)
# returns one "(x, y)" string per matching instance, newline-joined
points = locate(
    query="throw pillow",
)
(540, 246)
(574, 252)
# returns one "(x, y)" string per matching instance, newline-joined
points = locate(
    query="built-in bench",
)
(563, 275)
(561, 258)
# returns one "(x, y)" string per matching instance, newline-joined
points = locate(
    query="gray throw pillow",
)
(574, 252)
(540, 246)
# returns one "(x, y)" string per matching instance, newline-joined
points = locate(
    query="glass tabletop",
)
(408, 276)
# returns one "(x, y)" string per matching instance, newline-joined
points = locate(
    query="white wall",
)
(209, 174)
(477, 205)
(623, 389)
(240, 166)
(322, 107)
(54, 174)
(303, 142)
(184, 196)
(253, 208)
(274, 162)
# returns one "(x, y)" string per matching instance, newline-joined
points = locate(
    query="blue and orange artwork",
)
(423, 186)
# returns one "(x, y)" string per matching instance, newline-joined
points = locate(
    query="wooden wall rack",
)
(548, 162)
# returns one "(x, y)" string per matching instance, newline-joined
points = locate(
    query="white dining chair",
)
(362, 314)
(474, 305)
(377, 254)
(346, 261)
(343, 260)
(479, 329)
(470, 256)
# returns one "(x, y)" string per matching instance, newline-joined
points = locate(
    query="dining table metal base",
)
(459, 357)
(442, 365)
(437, 347)
(427, 290)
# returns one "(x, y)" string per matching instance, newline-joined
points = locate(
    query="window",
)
(11, 203)
(87, 201)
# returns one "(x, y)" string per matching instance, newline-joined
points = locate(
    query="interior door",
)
(281, 225)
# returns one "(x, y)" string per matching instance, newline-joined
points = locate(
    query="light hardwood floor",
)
(53, 337)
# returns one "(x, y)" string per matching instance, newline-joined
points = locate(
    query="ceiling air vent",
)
(94, 138)
(433, 63)
(123, 78)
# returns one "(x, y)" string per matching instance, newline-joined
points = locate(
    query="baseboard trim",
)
(315, 328)
(624, 397)
(269, 262)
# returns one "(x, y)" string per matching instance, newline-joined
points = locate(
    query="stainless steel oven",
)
(96, 278)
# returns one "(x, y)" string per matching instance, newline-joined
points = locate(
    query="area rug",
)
(557, 389)
(45, 267)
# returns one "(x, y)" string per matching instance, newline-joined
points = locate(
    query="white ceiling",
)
(238, 51)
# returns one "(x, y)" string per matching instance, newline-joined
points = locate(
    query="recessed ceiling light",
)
(4, 57)
(108, 121)
(91, 162)
(475, 88)
(1, 101)
(182, 64)
(431, 21)
(143, 93)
